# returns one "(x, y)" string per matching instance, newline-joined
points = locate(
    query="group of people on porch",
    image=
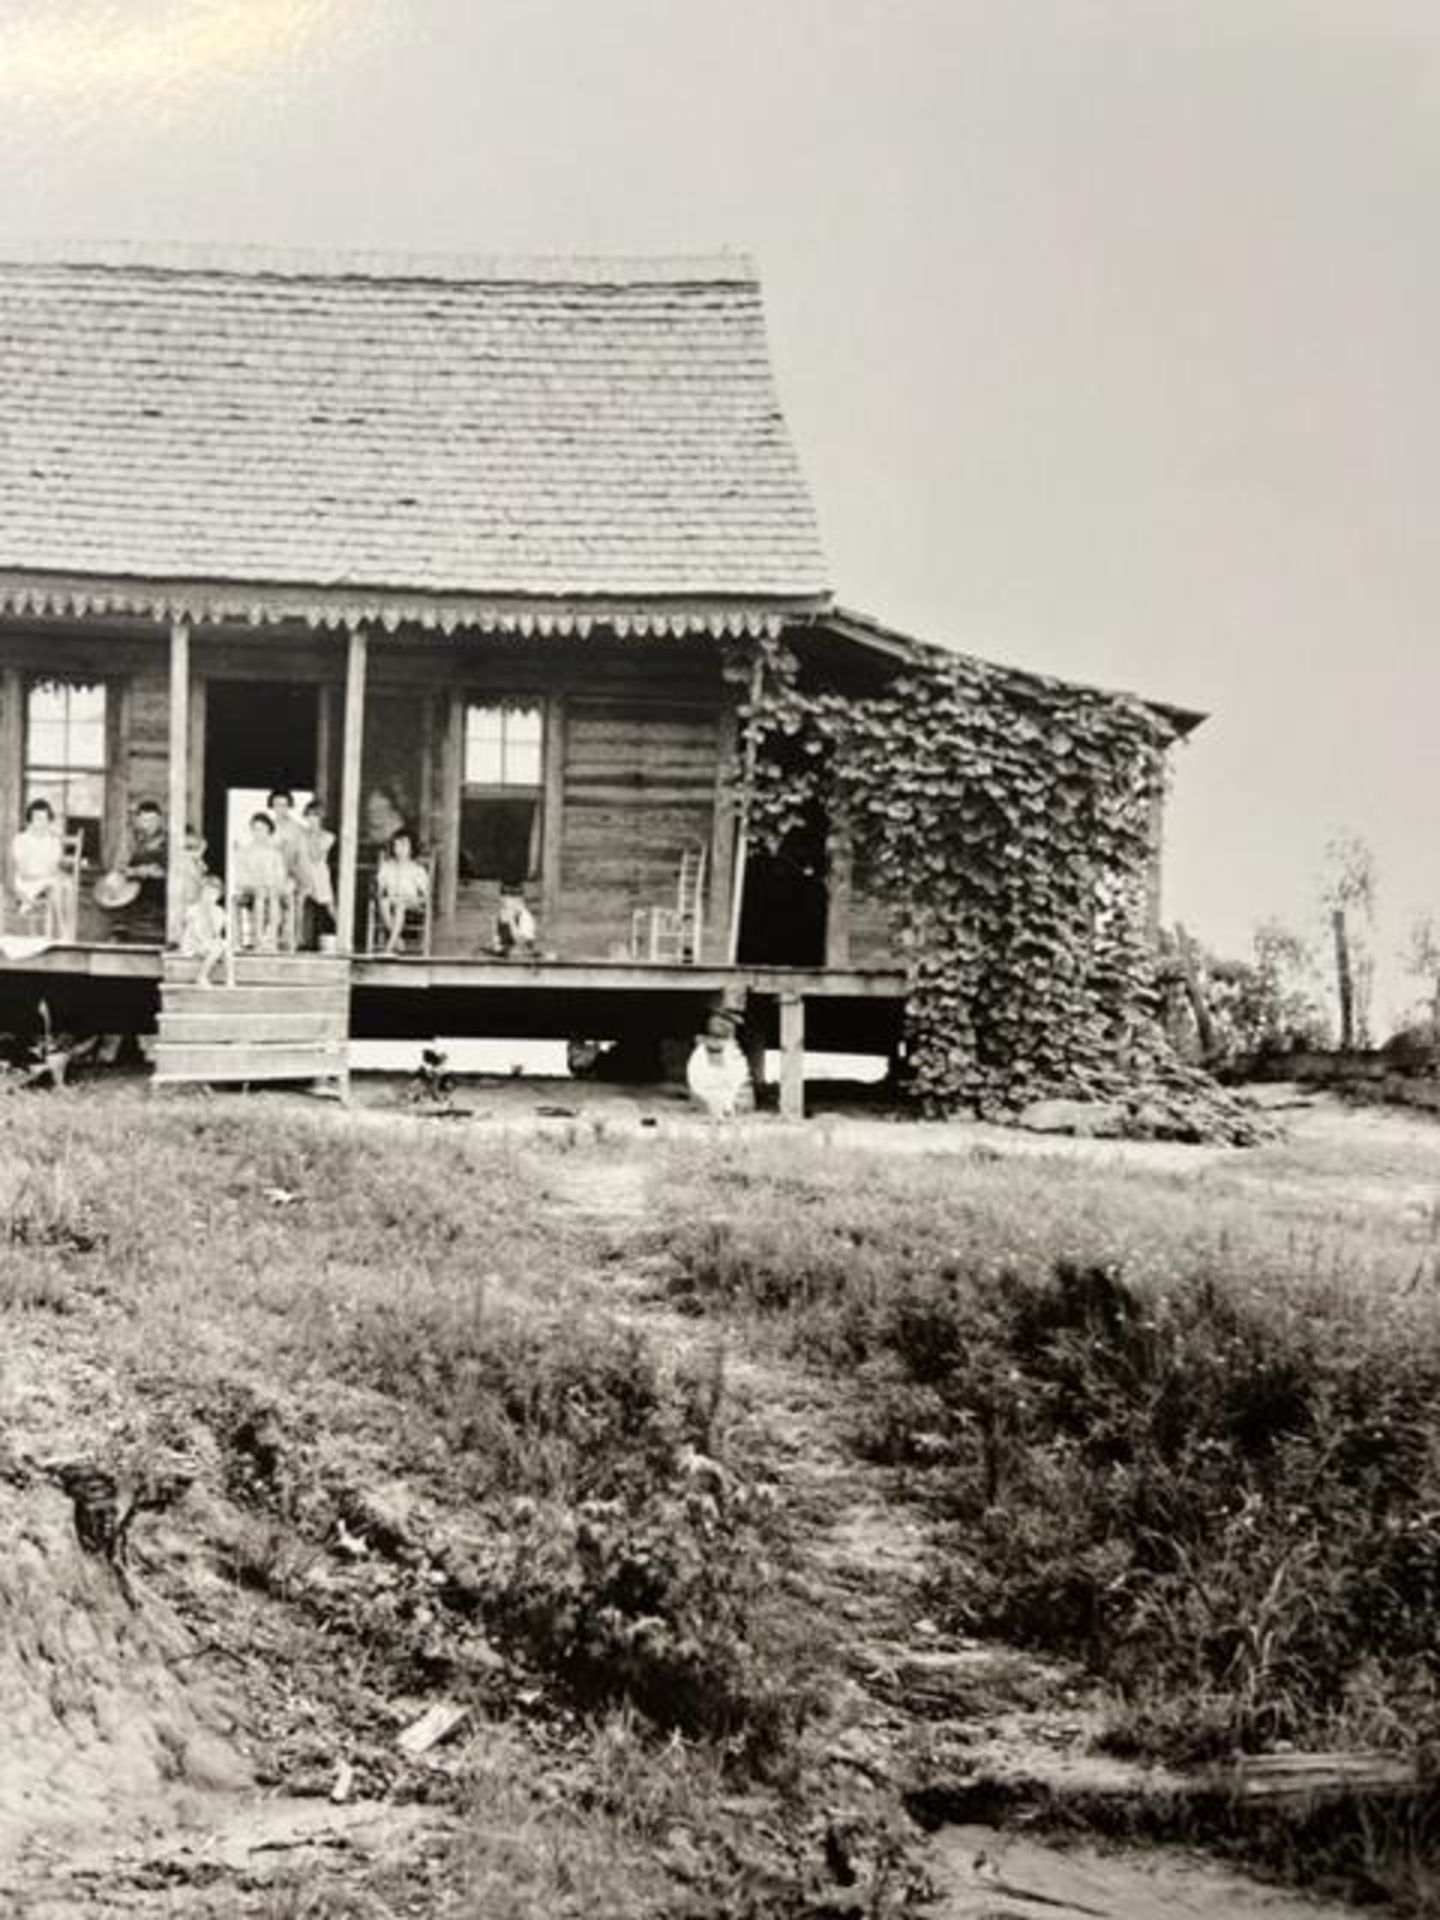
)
(281, 891)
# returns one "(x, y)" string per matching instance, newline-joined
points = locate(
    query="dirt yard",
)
(338, 1363)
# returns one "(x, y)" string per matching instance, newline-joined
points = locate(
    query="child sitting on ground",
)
(203, 935)
(261, 882)
(401, 887)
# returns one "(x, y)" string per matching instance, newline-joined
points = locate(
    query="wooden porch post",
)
(792, 1056)
(179, 796)
(552, 816)
(715, 933)
(356, 658)
(452, 758)
(742, 837)
(839, 888)
(12, 760)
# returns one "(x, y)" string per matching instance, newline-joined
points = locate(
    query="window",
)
(500, 798)
(66, 756)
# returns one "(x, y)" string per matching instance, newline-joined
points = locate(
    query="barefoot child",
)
(204, 933)
(401, 886)
(261, 879)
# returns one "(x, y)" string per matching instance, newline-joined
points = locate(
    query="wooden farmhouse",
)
(477, 548)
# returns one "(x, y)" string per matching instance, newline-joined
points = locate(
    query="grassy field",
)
(456, 1436)
(1181, 1427)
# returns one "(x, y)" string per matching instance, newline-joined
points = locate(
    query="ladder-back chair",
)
(672, 933)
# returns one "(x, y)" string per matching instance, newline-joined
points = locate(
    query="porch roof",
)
(329, 431)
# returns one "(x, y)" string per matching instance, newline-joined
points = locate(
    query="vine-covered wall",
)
(1005, 821)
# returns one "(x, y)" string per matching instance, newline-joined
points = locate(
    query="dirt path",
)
(922, 1709)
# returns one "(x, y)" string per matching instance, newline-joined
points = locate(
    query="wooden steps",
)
(287, 1017)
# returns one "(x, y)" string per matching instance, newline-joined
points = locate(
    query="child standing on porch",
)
(317, 890)
(204, 935)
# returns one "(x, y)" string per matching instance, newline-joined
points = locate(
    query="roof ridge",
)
(245, 261)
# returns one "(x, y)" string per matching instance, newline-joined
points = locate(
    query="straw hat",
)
(115, 890)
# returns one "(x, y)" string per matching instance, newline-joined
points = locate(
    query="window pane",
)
(47, 702)
(46, 743)
(87, 703)
(87, 744)
(522, 763)
(503, 746)
(84, 796)
(484, 764)
(40, 787)
(498, 839)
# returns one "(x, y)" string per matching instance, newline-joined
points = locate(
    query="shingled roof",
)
(584, 430)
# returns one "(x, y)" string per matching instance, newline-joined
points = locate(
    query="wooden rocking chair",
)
(672, 934)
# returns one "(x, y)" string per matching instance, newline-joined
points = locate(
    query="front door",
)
(259, 734)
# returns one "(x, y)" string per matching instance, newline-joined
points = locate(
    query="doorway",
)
(259, 734)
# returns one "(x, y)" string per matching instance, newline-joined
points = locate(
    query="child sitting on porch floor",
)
(261, 882)
(401, 887)
(204, 934)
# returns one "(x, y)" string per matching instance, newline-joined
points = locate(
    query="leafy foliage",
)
(1005, 821)
(1266, 1004)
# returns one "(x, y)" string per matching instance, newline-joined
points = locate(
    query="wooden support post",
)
(715, 928)
(356, 658)
(552, 817)
(198, 701)
(792, 1056)
(742, 838)
(839, 887)
(12, 761)
(179, 795)
(452, 774)
(1195, 993)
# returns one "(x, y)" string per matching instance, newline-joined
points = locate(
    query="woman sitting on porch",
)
(38, 850)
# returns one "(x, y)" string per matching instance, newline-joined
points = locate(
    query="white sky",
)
(1107, 328)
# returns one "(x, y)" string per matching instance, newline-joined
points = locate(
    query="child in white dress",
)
(204, 934)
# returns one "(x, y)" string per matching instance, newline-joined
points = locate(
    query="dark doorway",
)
(782, 918)
(259, 734)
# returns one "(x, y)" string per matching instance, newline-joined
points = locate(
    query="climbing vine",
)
(1004, 822)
